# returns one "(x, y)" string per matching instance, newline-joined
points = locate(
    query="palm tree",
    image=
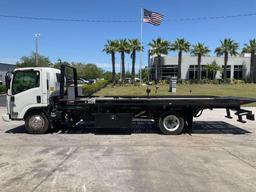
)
(180, 45)
(199, 50)
(251, 48)
(227, 47)
(123, 47)
(111, 48)
(158, 47)
(135, 46)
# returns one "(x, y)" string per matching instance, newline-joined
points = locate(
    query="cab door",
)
(8, 78)
(26, 92)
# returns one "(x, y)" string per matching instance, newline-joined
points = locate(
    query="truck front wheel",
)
(171, 123)
(36, 123)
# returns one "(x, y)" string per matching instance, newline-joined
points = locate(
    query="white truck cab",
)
(30, 89)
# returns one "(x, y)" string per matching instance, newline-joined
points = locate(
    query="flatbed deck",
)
(200, 101)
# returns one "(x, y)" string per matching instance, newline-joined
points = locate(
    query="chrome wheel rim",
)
(36, 122)
(171, 122)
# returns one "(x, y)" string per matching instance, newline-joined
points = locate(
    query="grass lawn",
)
(240, 90)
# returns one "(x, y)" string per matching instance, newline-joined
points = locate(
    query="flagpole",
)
(141, 42)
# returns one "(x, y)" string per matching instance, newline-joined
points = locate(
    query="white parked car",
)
(136, 79)
(82, 81)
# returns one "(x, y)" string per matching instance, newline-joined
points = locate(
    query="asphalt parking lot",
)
(219, 156)
(2, 100)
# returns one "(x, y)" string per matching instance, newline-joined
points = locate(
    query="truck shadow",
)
(199, 127)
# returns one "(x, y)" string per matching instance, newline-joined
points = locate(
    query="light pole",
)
(149, 63)
(37, 35)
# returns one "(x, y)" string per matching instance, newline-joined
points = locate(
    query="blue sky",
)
(83, 42)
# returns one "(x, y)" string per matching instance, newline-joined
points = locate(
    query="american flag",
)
(152, 17)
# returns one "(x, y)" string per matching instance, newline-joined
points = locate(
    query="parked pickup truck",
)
(40, 97)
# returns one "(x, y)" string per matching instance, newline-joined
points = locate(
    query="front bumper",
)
(6, 118)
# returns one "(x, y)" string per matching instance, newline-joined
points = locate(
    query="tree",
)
(88, 71)
(123, 47)
(128, 74)
(29, 61)
(227, 47)
(180, 45)
(212, 69)
(59, 63)
(135, 45)
(111, 47)
(251, 48)
(107, 75)
(144, 74)
(159, 47)
(199, 50)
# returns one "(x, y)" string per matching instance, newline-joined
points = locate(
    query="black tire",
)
(36, 123)
(171, 123)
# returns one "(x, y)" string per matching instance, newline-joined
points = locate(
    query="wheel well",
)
(179, 111)
(32, 110)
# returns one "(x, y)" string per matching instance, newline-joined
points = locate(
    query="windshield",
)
(24, 80)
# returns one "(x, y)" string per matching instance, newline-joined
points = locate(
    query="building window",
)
(228, 71)
(204, 72)
(192, 72)
(168, 71)
(154, 73)
(238, 72)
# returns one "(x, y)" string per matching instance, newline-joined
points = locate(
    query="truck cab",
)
(30, 89)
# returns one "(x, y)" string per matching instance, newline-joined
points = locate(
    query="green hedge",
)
(88, 90)
(2, 89)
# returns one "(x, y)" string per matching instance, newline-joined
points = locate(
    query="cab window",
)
(24, 80)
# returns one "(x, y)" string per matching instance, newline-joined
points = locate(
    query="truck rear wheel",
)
(171, 123)
(36, 123)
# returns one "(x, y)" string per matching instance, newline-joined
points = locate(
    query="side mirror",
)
(7, 80)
